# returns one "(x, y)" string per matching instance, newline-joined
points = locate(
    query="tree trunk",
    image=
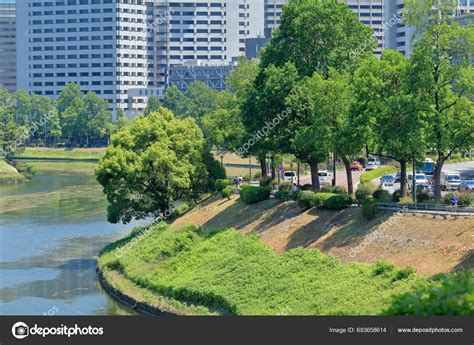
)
(263, 165)
(403, 178)
(334, 161)
(347, 165)
(314, 176)
(273, 167)
(437, 176)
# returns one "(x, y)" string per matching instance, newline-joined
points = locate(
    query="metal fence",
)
(426, 208)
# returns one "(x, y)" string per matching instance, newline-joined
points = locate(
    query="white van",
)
(450, 180)
(421, 179)
(290, 176)
(324, 176)
(372, 163)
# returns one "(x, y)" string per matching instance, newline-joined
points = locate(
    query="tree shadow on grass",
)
(351, 229)
(466, 262)
(239, 215)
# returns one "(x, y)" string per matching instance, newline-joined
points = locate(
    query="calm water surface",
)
(51, 229)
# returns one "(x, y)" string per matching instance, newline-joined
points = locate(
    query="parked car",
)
(450, 180)
(427, 189)
(356, 166)
(372, 164)
(324, 177)
(387, 179)
(420, 179)
(467, 185)
(290, 176)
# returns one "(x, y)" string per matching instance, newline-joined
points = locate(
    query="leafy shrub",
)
(227, 192)
(365, 191)
(455, 296)
(258, 174)
(465, 199)
(307, 187)
(337, 202)
(221, 184)
(382, 195)
(282, 194)
(320, 198)
(285, 187)
(397, 195)
(265, 181)
(383, 268)
(369, 208)
(422, 197)
(339, 190)
(252, 195)
(406, 200)
(246, 178)
(306, 199)
(403, 273)
(379, 172)
(326, 188)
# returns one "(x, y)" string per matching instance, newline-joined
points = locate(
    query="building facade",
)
(8, 45)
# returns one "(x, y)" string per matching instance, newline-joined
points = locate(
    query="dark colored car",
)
(398, 177)
(467, 185)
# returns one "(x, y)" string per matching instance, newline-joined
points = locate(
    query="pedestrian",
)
(454, 201)
(236, 182)
(275, 188)
(294, 188)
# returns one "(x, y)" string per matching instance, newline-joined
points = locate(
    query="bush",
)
(465, 199)
(181, 209)
(453, 297)
(422, 197)
(252, 195)
(320, 198)
(406, 200)
(337, 202)
(265, 181)
(307, 187)
(382, 195)
(397, 195)
(369, 208)
(282, 194)
(338, 190)
(221, 184)
(227, 192)
(326, 188)
(285, 187)
(379, 172)
(365, 191)
(246, 178)
(306, 199)
(258, 174)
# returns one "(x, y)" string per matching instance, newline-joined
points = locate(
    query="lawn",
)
(238, 274)
(8, 173)
(62, 153)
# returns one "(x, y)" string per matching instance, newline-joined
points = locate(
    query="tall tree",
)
(154, 161)
(154, 104)
(442, 77)
(394, 121)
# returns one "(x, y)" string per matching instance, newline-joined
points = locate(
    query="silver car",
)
(467, 185)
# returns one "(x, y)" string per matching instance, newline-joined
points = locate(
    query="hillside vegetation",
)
(9, 174)
(237, 274)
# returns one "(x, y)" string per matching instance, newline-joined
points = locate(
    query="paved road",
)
(466, 169)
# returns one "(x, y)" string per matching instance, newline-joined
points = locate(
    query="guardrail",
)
(426, 208)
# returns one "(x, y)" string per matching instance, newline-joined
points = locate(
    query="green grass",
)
(9, 174)
(236, 273)
(61, 153)
(379, 172)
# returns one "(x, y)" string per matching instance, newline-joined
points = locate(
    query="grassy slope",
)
(62, 153)
(444, 244)
(8, 173)
(238, 274)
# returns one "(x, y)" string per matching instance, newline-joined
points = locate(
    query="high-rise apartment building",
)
(8, 44)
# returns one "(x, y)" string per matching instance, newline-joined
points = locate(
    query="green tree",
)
(240, 79)
(395, 124)
(154, 104)
(442, 77)
(173, 99)
(67, 96)
(154, 161)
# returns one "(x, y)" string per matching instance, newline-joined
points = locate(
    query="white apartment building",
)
(94, 43)
(8, 45)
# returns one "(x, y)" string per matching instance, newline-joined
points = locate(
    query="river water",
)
(51, 230)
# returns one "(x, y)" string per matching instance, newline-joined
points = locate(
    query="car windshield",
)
(420, 177)
(470, 183)
(454, 178)
(289, 174)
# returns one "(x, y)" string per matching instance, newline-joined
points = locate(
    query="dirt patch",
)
(429, 244)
